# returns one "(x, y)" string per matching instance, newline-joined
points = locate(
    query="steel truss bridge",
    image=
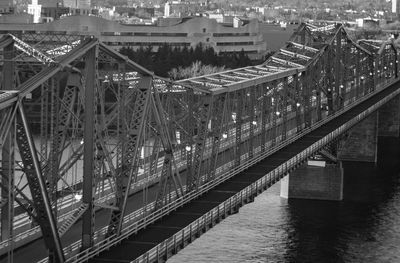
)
(95, 148)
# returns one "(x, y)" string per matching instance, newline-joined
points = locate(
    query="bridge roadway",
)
(135, 247)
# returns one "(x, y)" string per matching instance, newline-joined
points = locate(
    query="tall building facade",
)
(35, 9)
(180, 8)
(81, 4)
(395, 7)
(50, 3)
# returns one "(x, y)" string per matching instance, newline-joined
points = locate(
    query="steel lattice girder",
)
(38, 189)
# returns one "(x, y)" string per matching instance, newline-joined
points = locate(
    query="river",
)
(364, 227)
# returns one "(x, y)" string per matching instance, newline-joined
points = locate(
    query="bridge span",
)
(103, 161)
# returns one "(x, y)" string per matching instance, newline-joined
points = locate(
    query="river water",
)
(364, 227)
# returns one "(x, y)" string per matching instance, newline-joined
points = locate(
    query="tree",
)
(194, 70)
(166, 58)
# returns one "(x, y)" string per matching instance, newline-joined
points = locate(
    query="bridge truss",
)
(83, 128)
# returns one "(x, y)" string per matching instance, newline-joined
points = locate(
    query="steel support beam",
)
(7, 149)
(89, 147)
(38, 188)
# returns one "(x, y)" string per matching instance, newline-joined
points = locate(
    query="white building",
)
(35, 9)
(185, 32)
(218, 17)
(395, 7)
(167, 9)
(77, 4)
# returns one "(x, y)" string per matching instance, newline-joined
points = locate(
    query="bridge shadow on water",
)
(361, 228)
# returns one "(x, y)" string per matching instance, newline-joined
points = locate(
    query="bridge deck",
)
(148, 238)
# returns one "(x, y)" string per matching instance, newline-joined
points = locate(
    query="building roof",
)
(92, 25)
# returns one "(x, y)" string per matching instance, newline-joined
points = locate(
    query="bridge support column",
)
(314, 182)
(389, 118)
(361, 142)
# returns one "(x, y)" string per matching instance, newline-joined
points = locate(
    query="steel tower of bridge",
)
(93, 143)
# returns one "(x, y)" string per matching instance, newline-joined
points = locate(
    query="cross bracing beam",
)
(371, 45)
(289, 58)
(218, 80)
(305, 47)
(286, 62)
(8, 98)
(5, 41)
(255, 72)
(37, 80)
(295, 55)
(232, 76)
(246, 75)
(322, 29)
(269, 68)
(62, 50)
(31, 51)
(37, 186)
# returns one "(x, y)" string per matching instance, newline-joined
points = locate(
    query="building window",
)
(235, 43)
(231, 34)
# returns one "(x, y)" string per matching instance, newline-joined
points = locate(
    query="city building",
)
(6, 6)
(35, 9)
(395, 7)
(77, 4)
(182, 8)
(185, 32)
(45, 11)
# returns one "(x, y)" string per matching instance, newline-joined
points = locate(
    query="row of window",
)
(231, 34)
(161, 34)
(144, 34)
(248, 43)
(174, 43)
(145, 44)
(150, 34)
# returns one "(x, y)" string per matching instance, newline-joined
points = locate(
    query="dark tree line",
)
(167, 57)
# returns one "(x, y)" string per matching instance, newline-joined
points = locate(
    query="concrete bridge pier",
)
(360, 144)
(326, 183)
(389, 119)
(314, 182)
